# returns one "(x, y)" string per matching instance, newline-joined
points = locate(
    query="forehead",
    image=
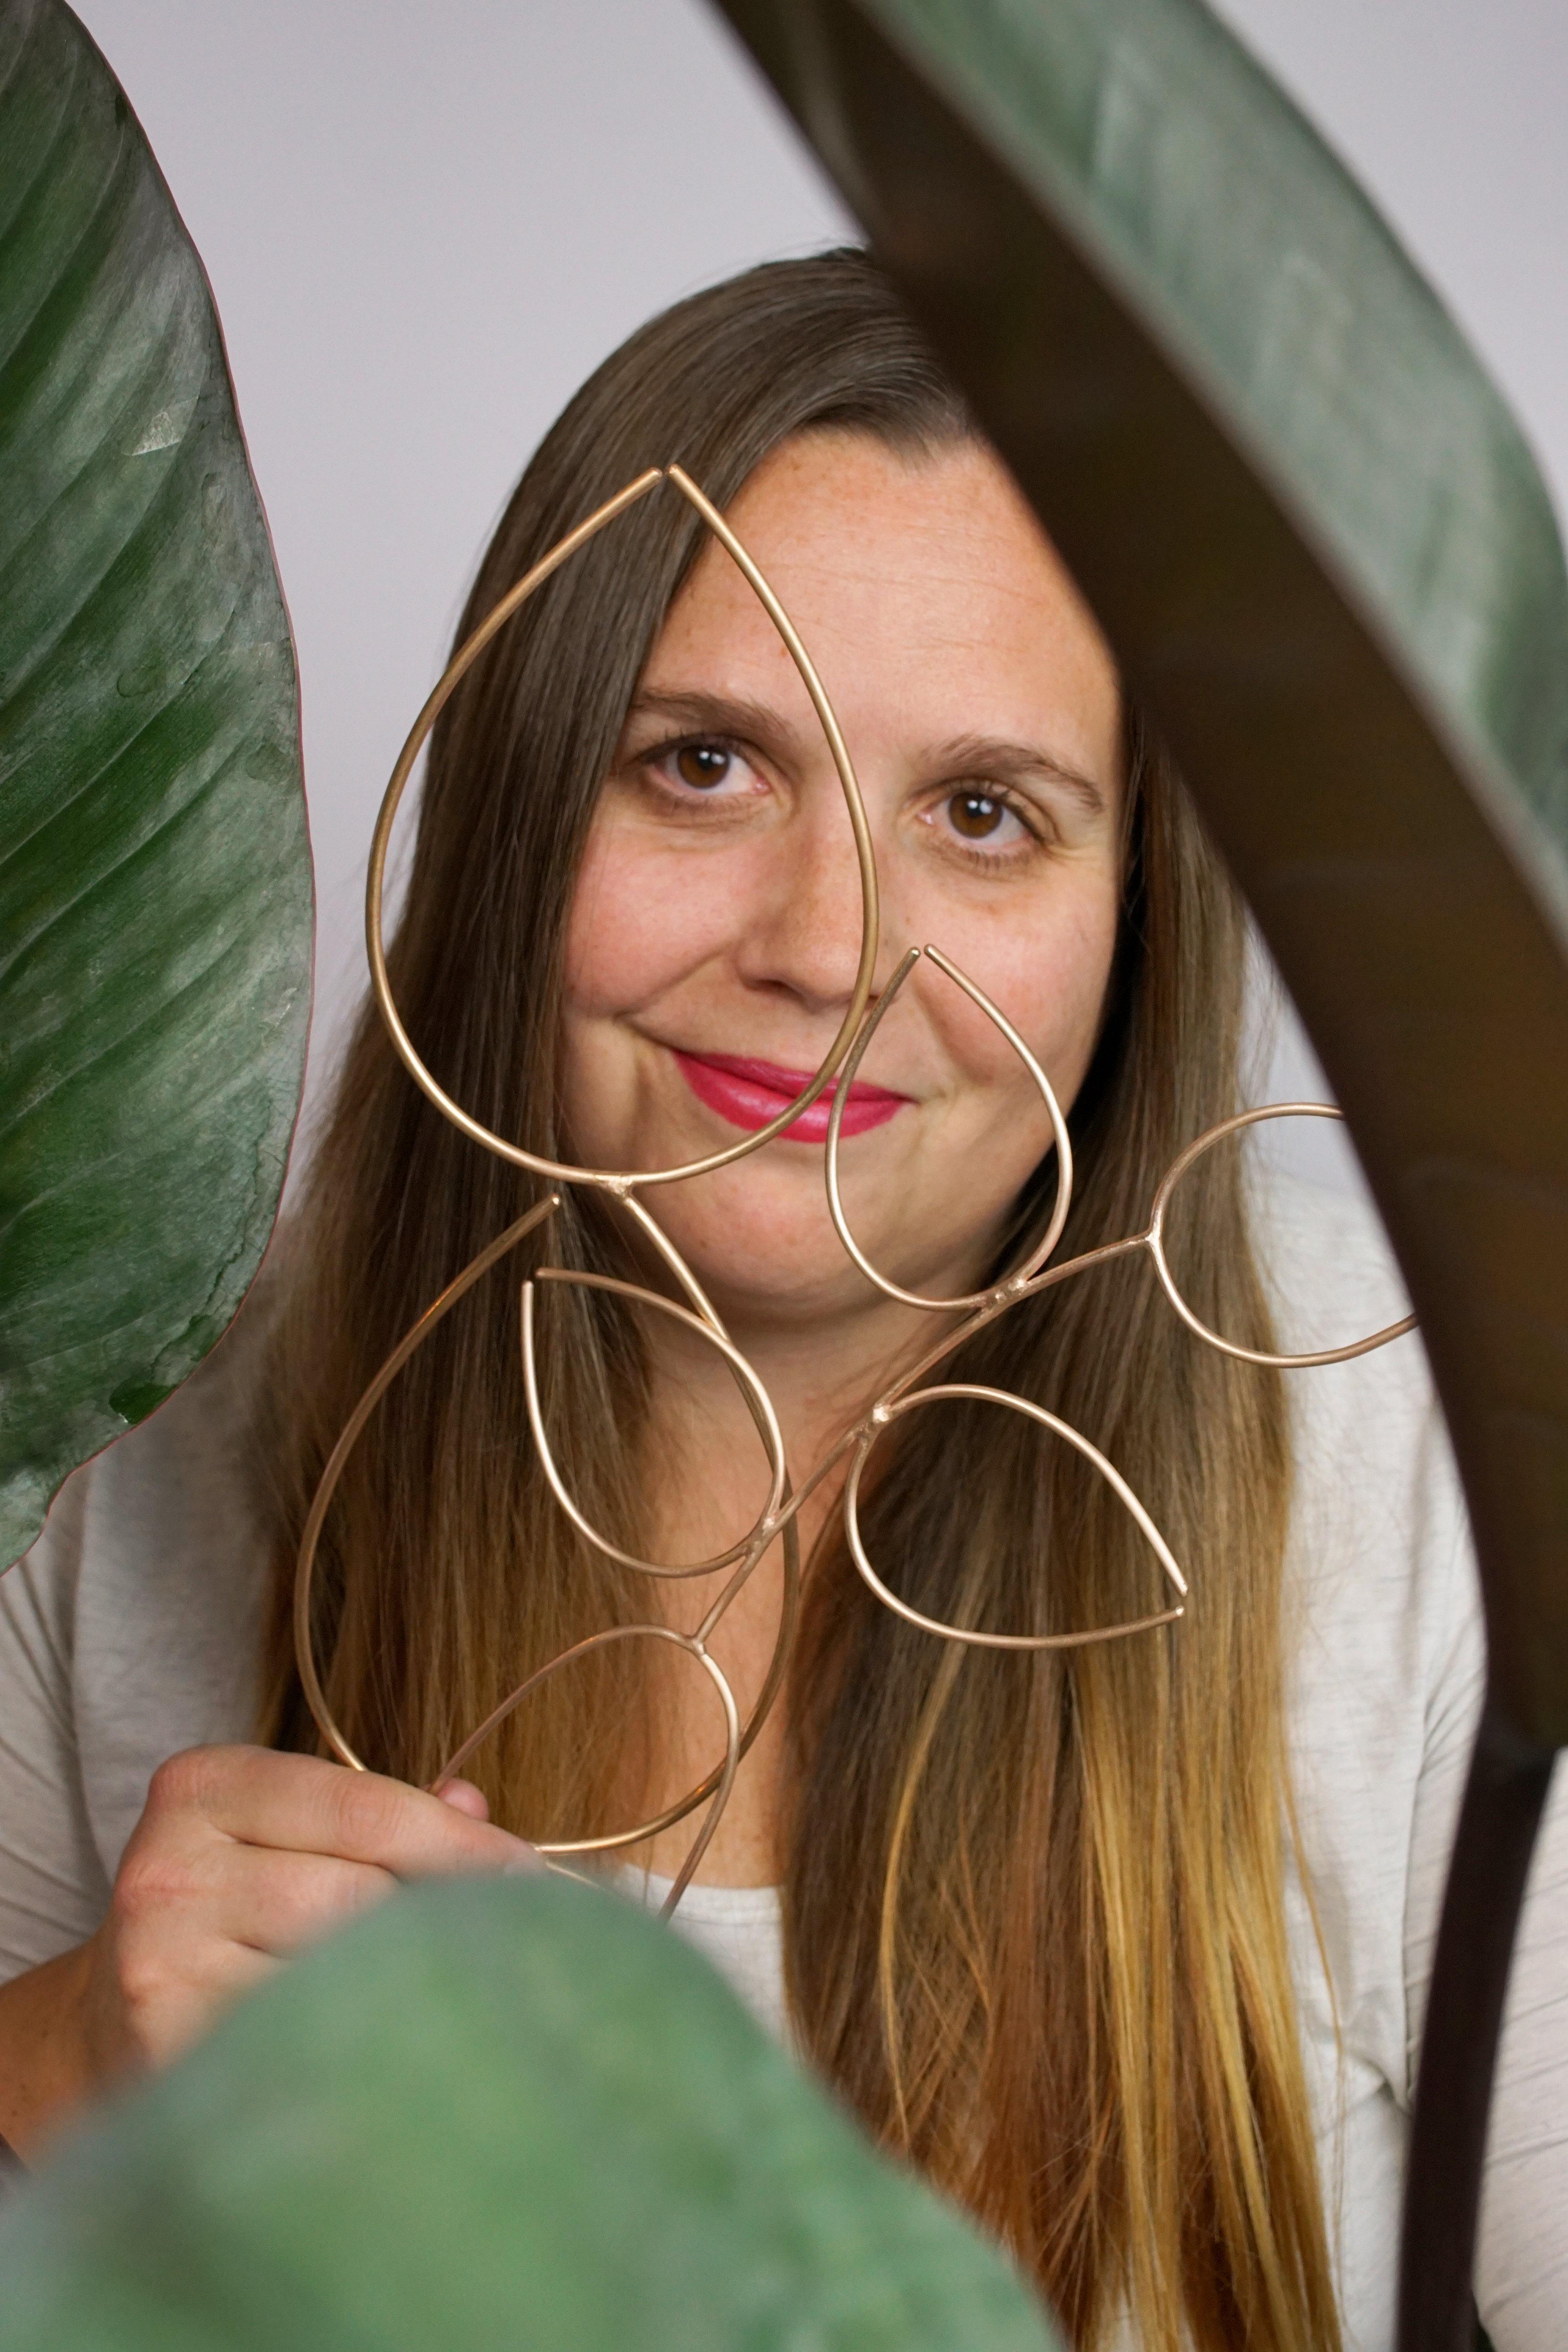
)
(925, 590)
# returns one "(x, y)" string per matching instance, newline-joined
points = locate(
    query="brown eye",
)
(976, 814)
(702, 765)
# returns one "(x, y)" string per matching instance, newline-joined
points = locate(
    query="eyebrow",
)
(962, 756)
(719, 714)
(989, 757)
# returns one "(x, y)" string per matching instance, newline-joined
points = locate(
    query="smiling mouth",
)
(751, 1093)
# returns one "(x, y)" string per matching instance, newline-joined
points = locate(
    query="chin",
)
(808, 1299)
(771, 1241)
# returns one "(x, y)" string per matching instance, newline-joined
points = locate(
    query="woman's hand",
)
(241, 1857)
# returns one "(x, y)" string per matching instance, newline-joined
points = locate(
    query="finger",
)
(157, 2026)
(275, 1902)
(464, 1798)
(301, 1804)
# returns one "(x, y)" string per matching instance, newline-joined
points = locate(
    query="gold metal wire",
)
(608, 1841)
(305, 1567)
(1042, 1249)
(620, 1180)
(883, 1414)
(778, 1520)
(750, 1386)
(1154, 1241)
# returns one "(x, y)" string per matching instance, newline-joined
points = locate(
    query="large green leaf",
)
(1323, 553)
(1326, 558)
(156, 899)
(1259, 262)
(494, 2115)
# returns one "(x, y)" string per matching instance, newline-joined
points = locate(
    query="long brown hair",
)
(1034, 1932)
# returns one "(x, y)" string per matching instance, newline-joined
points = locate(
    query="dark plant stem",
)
(1504, 1796)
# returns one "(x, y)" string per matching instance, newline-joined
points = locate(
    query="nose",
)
(805, 935)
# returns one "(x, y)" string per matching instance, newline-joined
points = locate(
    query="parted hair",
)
(1033, 1902)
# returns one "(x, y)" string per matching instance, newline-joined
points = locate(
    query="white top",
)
(131, 1631)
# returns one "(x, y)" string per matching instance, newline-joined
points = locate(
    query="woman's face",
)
(717, 924)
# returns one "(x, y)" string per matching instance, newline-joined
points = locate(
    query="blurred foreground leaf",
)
(494, 2114)
(155, 896)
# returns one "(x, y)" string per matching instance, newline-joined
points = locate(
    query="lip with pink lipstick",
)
(751, 1093)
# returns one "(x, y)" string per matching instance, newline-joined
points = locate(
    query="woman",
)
(1114, 1940)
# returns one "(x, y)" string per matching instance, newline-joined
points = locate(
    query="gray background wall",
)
(425, 220)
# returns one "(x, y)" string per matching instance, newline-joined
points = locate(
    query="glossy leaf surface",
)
(1321, 551)
(497, 2113)
(1325, 558)
(155, 898)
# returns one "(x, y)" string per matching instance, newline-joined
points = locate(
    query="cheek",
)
(637, 925)
(1050, 978)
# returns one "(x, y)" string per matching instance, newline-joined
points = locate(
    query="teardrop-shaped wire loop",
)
(760, 1531)
(720, 1781)
(783, 1648)
(620, 1180)
(1037, 1256)
(1155, 1242)
(305, 1564)
(1091, 1454)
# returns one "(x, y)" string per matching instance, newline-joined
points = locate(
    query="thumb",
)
(463, 1797)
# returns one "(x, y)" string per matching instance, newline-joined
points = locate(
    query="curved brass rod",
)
(1002, 1302)
(771, 1524)
(750, 1385)
(854, 801)
(1091, 1454)
(305, 1566)
(701, 1303)
(1004, 1297)
(783, 1647)
(822, 1468)
(779, 1518)
(612, 1841)
(381, 839)
(1154, 1241)
(1037, 1256)
(731, 1766)
(766, 1534)
(998, 1303)
(621, 1180)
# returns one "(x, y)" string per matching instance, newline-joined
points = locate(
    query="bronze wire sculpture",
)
(776, 1519)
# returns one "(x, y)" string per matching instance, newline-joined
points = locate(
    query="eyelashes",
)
(986, 826)
(693, 770)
